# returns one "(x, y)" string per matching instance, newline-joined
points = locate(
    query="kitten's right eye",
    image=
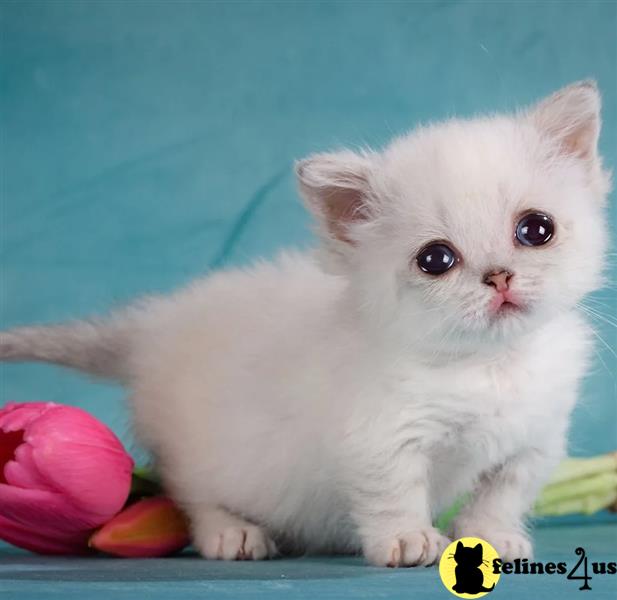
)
(436, 258)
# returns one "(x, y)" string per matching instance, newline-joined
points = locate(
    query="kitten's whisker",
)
(605, 343)
(599, 302)
(594, 313)
(595, 350)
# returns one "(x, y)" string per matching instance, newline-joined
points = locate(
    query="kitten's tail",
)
(97, 347)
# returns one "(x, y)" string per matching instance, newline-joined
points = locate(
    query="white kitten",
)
(339, 405)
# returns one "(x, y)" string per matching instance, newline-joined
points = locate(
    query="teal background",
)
(146, 143)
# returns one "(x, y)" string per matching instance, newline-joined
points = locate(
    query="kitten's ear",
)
(571, 117)
(459, 546)
(478, 548)
(336, 189)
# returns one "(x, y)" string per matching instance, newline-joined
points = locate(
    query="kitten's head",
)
(469, 231)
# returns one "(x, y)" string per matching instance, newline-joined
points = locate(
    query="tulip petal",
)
(41, 510)
(82, 458)
(151, 527)
(23, 472)
(14, 419)
(18, 415)
(35, 542)
(9, 443)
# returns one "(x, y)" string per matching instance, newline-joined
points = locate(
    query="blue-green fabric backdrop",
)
(145, 143)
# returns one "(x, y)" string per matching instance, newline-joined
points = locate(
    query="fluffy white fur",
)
(338, 403)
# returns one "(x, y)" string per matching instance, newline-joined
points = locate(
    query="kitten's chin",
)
(508, 324)
(492, 331)
(507, 312)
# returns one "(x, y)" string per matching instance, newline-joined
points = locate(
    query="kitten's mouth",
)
(503, 305)
(508, 307)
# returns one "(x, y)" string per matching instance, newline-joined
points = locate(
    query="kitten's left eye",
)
(535, 229)
(436, 258)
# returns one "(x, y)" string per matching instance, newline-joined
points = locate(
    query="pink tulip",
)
(62, 475)
(150, 527)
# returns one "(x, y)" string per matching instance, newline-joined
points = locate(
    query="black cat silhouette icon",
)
(465, 568)
(469, 577)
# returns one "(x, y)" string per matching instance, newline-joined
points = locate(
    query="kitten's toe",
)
(258, 545)
(231, 545)
(435, 546)
(415, 548)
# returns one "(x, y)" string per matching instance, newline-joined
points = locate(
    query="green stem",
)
(585, 486)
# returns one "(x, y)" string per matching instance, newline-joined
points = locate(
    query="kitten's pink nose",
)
(500, 280)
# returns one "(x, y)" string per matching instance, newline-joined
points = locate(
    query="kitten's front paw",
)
(236, 543)
(415, 548)
(509, 544)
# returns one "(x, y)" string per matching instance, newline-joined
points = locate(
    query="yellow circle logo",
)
(466, 568)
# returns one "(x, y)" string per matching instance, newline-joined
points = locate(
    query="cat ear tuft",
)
(571, 117)
(336, 189)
